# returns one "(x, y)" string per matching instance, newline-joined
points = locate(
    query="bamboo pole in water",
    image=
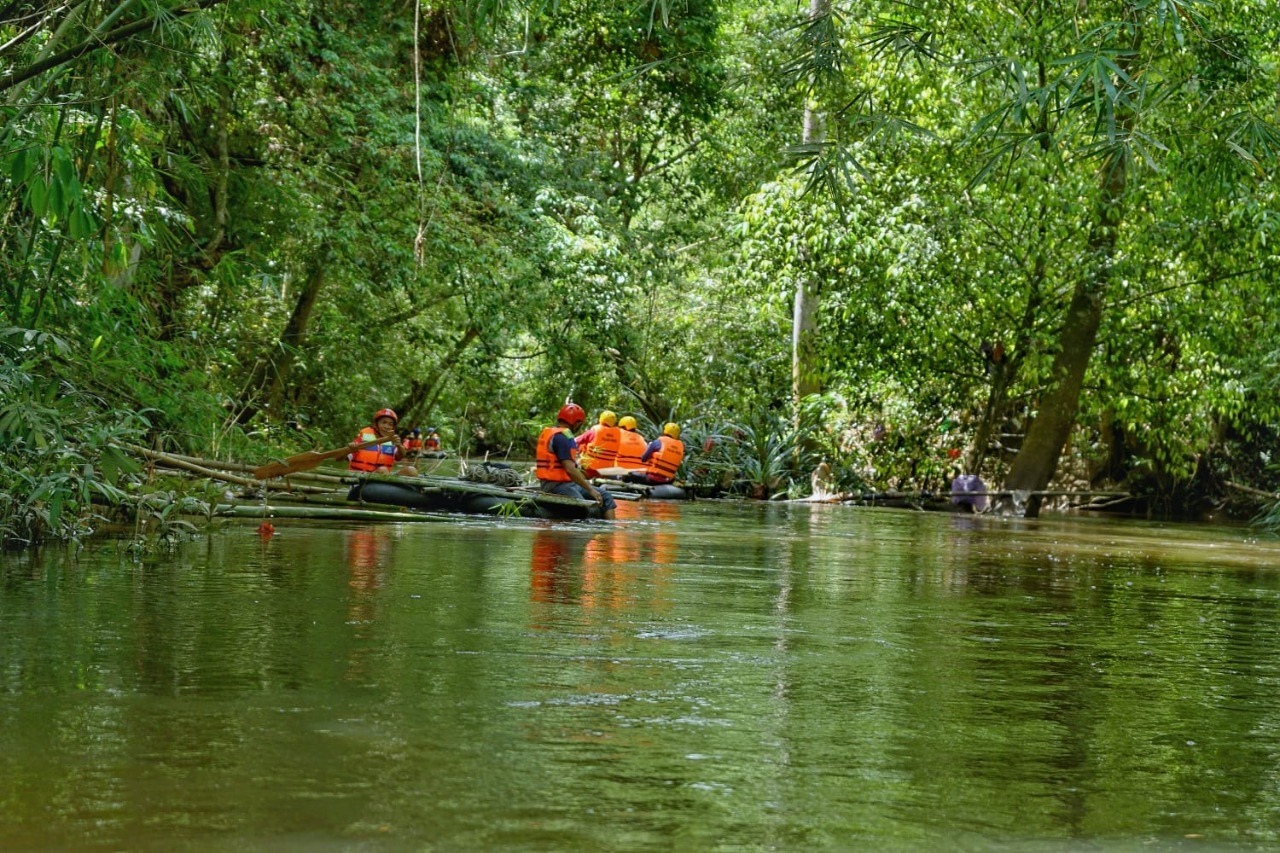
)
(429, 483)
(208, 473)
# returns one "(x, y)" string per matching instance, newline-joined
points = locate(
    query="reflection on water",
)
(692, 675)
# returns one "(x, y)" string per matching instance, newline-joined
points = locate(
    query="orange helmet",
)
(385, 413)
(572, 414)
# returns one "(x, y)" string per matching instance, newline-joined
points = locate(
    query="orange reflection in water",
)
(624, 566)
(367, 551)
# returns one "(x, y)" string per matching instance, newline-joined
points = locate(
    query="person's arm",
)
(561, 446)
(575, 474)
(654, 447)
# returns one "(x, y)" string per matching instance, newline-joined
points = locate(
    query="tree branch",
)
(95, 43)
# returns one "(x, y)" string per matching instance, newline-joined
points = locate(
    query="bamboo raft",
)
(328, 495)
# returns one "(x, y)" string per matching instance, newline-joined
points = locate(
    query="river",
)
(691, 677)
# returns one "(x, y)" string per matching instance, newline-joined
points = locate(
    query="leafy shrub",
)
(60, 448)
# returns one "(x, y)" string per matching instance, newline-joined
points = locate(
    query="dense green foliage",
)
(226, 216)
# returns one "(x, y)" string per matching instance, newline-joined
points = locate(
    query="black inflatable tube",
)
(397, 495)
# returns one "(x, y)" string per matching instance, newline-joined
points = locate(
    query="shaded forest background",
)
(1033, 240)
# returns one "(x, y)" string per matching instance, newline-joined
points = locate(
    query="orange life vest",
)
(548, 466)
(665, 461)
(412, 444)
(631, 446)
(602, 452)
(375, 456)
(433, 442)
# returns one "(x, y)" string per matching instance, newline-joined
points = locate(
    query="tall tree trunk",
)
(1037, 461)
(267, 382)
(1004, 368)
(427, 390)
(804, 329)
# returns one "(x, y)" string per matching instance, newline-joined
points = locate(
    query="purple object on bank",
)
(962, 489)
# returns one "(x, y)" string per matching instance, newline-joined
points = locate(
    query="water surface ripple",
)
(693, 676)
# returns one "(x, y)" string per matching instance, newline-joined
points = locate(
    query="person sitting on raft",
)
(598, 446)
(432, 443)
(664, 455)
(413, 444)
(557, 461)
(631, 444)
(380, 457)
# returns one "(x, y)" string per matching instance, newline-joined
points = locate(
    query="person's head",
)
(385, 420)
(417, 430)
(571, 415)
(627, 423)
(608, 418)
(671, 429)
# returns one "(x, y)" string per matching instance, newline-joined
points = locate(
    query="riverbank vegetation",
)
(1035, 241)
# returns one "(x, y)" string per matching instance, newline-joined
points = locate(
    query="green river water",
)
(706, 676)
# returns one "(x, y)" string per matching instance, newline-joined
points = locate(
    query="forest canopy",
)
(1033, 240)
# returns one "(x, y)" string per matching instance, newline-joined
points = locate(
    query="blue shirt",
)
(562, 446)
(654, 447)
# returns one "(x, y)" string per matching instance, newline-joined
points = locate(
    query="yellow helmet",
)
(608, 418)
(672, 430)
(627, 423)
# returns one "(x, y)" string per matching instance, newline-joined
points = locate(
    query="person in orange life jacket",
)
(432, 442)
(631, 444)
(598, 446)
(378, 458)
(413, 443)
(557, 461)
(664, 455)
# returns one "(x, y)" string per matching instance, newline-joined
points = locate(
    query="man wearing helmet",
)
(663, 455)
(377, 457)
(557, 461)
(631, 444)
(412, 443)
(599, 445)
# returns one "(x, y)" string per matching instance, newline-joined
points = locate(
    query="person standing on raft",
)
(557, 461)
(598, 446)
(664, 455)
(380, 457)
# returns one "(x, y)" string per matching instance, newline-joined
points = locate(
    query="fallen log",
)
(1250, 490)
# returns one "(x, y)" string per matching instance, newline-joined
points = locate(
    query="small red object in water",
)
(265, 529)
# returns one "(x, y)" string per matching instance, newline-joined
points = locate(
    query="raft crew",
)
(598, 446)
(557, 461)
(378, 458)
(432, 442)
(631, 444)
(413, 443)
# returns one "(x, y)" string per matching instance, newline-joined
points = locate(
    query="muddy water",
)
(693, 676)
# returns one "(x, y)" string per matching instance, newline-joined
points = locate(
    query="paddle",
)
(305, 461)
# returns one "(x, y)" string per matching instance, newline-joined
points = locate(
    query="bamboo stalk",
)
(208, 473)
(273, 488)
(216, 464)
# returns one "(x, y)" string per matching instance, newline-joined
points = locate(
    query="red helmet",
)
(572, 414)
(385, 413)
